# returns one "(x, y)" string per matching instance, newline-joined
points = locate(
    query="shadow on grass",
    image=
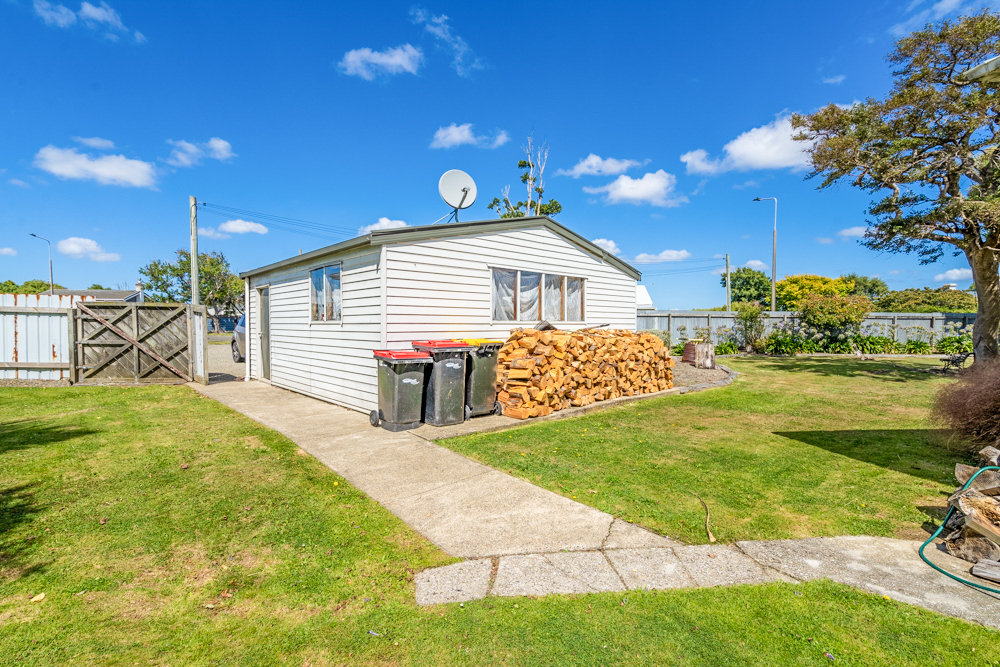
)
(908, 451)
(26, 433)
(889, 370)
(17, 506)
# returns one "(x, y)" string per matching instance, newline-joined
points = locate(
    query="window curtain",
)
(317, 295)
(333, 296)
(529, 297)
(503, 295)
(553, 301)
(574, 299)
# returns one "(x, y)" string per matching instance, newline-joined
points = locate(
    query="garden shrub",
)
(793, 289)
(970, 406)
(677, 350)
(956, 339)
(750, 325)
(927, 300)
(728, 347)
(834, 312)
(917, 347)
(876, 344)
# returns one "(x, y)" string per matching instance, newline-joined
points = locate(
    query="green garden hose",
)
(941, 528)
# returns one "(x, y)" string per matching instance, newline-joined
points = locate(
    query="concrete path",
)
(523, 540)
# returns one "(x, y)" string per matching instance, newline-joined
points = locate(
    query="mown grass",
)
(793, 448)
(256, 554)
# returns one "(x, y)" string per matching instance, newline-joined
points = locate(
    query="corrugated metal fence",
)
(684, 323)
(34, 336)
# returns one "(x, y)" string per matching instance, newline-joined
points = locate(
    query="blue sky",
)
(663, 122)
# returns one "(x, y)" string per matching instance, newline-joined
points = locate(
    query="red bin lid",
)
(400, 354)
(442, 344)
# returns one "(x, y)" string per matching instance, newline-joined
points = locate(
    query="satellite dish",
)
(457, 189)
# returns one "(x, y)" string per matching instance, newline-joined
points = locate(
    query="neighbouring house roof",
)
(642, 299)
(431, 232)
(99, 294)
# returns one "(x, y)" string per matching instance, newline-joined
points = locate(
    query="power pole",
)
(195, 300)
(729, 290)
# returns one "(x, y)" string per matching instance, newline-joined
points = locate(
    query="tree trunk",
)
(986, 272)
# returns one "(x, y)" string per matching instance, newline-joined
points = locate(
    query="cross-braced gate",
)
(138, 342)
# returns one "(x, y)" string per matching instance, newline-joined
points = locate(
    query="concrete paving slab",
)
(590, 567)
(723, 565)
(625, 535)
(649, 569)
(460, 582)
(883, 566)
(545, 574)
(498, 515)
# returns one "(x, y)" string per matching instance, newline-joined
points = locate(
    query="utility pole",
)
(51, 284)
(195, 300)
(774, 251)
(729, 290)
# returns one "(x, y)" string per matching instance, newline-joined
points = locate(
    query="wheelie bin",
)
(445, 403)
(402, 377)
(481, 378)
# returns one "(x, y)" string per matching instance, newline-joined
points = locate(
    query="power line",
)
(294, 225)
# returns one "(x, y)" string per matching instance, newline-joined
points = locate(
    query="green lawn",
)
(256, 554)
(793, 448)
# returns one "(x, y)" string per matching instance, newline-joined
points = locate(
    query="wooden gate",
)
(138, 342)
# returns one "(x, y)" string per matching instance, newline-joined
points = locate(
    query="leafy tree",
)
(930, 150)
(27, 287)
(927, 300)
(834, 311)
(873, 288)
(533, 177)
(8, 287)
(793, 289)
(219, 288)
(98, 286)
(748, 285)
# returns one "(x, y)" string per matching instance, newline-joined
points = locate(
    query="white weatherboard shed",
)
(314, 319)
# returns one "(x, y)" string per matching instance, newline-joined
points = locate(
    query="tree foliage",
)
(834, 311)
(930, 150)
(793, 289)
(927, 300)
(873, 288)
(748, 285)
(218, 287)
(27, 287)
(533, 178)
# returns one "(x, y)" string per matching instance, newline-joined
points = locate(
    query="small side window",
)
(324, 294)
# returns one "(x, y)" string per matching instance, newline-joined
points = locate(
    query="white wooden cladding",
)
(399, 293)
(36, 337)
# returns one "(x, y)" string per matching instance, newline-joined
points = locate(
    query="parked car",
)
(239, 344)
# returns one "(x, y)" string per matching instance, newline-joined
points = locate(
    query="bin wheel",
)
(468, 413)
(373, 417)
(497, 408)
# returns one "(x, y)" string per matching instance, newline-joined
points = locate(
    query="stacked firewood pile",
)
(973, 531)
(543, 371)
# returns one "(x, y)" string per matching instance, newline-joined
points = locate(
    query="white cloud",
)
(369, 64)
(823, 240)
(242, 227)
(68, 163)
(595, 165)
(8, 252)
(746, 185)
(718, 256)
(383, 223)
(210, 233)
(95, 16)
(463, 60)
(18, 182)
(607, 244)
(767, 147)
(187, 154)
(57, 15)
(835, 80)
(78, 247)
(665, 256)
(935, 12)
(95, 142)
(655, 188)
(757, 265)
(852, 232)
(140, 38)
(461, 135)
(953, 275)
(721, 271)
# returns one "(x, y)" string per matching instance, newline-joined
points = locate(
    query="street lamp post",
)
(774, 251)
(50, 260)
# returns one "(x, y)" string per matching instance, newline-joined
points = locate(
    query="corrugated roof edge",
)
(428, 232)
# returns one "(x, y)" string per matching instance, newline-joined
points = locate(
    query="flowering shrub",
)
(834, 312)
(956, 339)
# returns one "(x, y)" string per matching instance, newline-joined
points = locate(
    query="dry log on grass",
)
(987, 570)
(971, 546)
(540, 372)
(975, 524)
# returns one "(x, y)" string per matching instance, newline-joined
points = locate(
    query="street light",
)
(774, 249)
(50, 260)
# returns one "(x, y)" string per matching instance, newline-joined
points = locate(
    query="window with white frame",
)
(529, 296)
(324, 294)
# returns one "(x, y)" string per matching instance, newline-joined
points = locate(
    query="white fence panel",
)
(34, 336)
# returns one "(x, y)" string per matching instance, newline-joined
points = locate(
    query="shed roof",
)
(431, 232)
(100, 294)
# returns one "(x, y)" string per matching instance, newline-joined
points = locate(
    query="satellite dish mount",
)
(458, 191)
